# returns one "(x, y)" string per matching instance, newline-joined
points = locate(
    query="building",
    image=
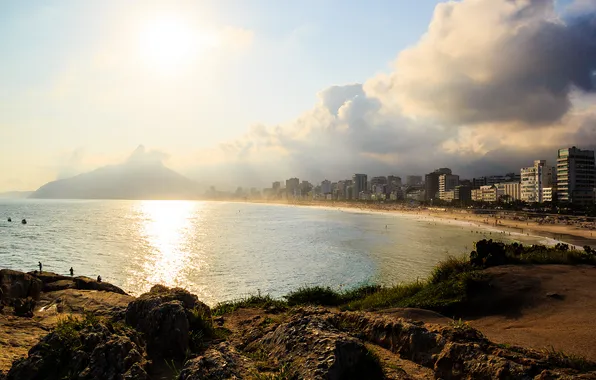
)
(476, 195)
(462, 193)
(448, 196)
(548, 194)
(534, 179)
(393, 182)
(511, 191)
(447, 182)
(326, 187)
(431, 183)
(359, 184)
(575, 176)
(276, 186)
(293, 187)
(494, 179)
(413, 180)
(489, 193)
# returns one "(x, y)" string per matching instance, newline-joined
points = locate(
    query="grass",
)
(563, 359)
(255, 301)
(448, 287)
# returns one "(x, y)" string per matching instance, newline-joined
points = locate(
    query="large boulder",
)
(15, 284)
(84, 349)
(169, 318)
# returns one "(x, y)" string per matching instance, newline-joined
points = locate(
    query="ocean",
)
(226, 250)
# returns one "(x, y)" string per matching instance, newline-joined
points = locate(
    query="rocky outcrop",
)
(86, 283)
(16, 284)
(221, 362)
(52, 282)
(84, 349)
(168, 318)
(452, 352)
(315, 348)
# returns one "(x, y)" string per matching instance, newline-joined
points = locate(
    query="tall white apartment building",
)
(447, 182)
(534, 179)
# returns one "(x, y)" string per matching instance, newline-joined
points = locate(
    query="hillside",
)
(126, 181)
(137, 178)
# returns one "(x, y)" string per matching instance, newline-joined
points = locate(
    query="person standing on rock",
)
(71, 272)
(39, 262)
(98, 278)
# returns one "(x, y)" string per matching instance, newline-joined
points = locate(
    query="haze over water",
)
(222, 251)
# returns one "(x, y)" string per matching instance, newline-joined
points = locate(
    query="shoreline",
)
(557, 233)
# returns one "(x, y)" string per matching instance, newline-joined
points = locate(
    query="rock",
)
(15, 284)
(24, 307)
(59, 285)
(220, 362)
(85, 349)
(555, 296)
(452, 352)
(168, 318)
(49, 277)
(86, 283)
(314, 348)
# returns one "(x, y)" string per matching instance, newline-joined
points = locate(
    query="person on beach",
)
(39, 262)
(71, 272)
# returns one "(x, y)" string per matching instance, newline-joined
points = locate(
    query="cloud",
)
(492, 86)
(486, 61)
(142, 156)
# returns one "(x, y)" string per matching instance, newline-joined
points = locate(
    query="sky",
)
(232, 92)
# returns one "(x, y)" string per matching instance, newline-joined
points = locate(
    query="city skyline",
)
(228, 92)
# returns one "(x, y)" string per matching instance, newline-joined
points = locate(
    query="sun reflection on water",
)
(168, 228)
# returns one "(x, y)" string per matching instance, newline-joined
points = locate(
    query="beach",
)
(502, 222)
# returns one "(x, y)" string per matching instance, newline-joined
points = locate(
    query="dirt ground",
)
(550, 307)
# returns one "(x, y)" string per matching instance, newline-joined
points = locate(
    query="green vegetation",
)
(448, 287)
(258, 301)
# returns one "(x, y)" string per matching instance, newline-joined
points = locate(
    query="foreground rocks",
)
(169, 333)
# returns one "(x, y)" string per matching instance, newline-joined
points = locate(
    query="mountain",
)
(131, 180)
(15, 194)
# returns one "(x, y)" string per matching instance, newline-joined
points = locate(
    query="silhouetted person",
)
(39, 266)
(98, 278)
(24, 221)
(9, 219)
(71, 272)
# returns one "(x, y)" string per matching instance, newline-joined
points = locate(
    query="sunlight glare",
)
(169, 43)
(169, 230)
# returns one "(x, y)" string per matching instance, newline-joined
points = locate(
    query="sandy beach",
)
(568, 233)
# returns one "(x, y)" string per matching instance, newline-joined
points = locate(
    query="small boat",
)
(24, 221)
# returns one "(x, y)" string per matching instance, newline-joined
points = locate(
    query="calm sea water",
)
(222, 251)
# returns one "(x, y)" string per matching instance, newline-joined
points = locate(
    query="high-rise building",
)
(575, 176)
(276, 185)
(326, 187)
(431, 183)
(534, 179)
(359, 184)
(447, 182)
(293, 187)
(413, 180)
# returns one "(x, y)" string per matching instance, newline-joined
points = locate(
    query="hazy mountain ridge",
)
(130, 180)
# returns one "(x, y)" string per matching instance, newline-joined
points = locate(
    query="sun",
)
(169, 43)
